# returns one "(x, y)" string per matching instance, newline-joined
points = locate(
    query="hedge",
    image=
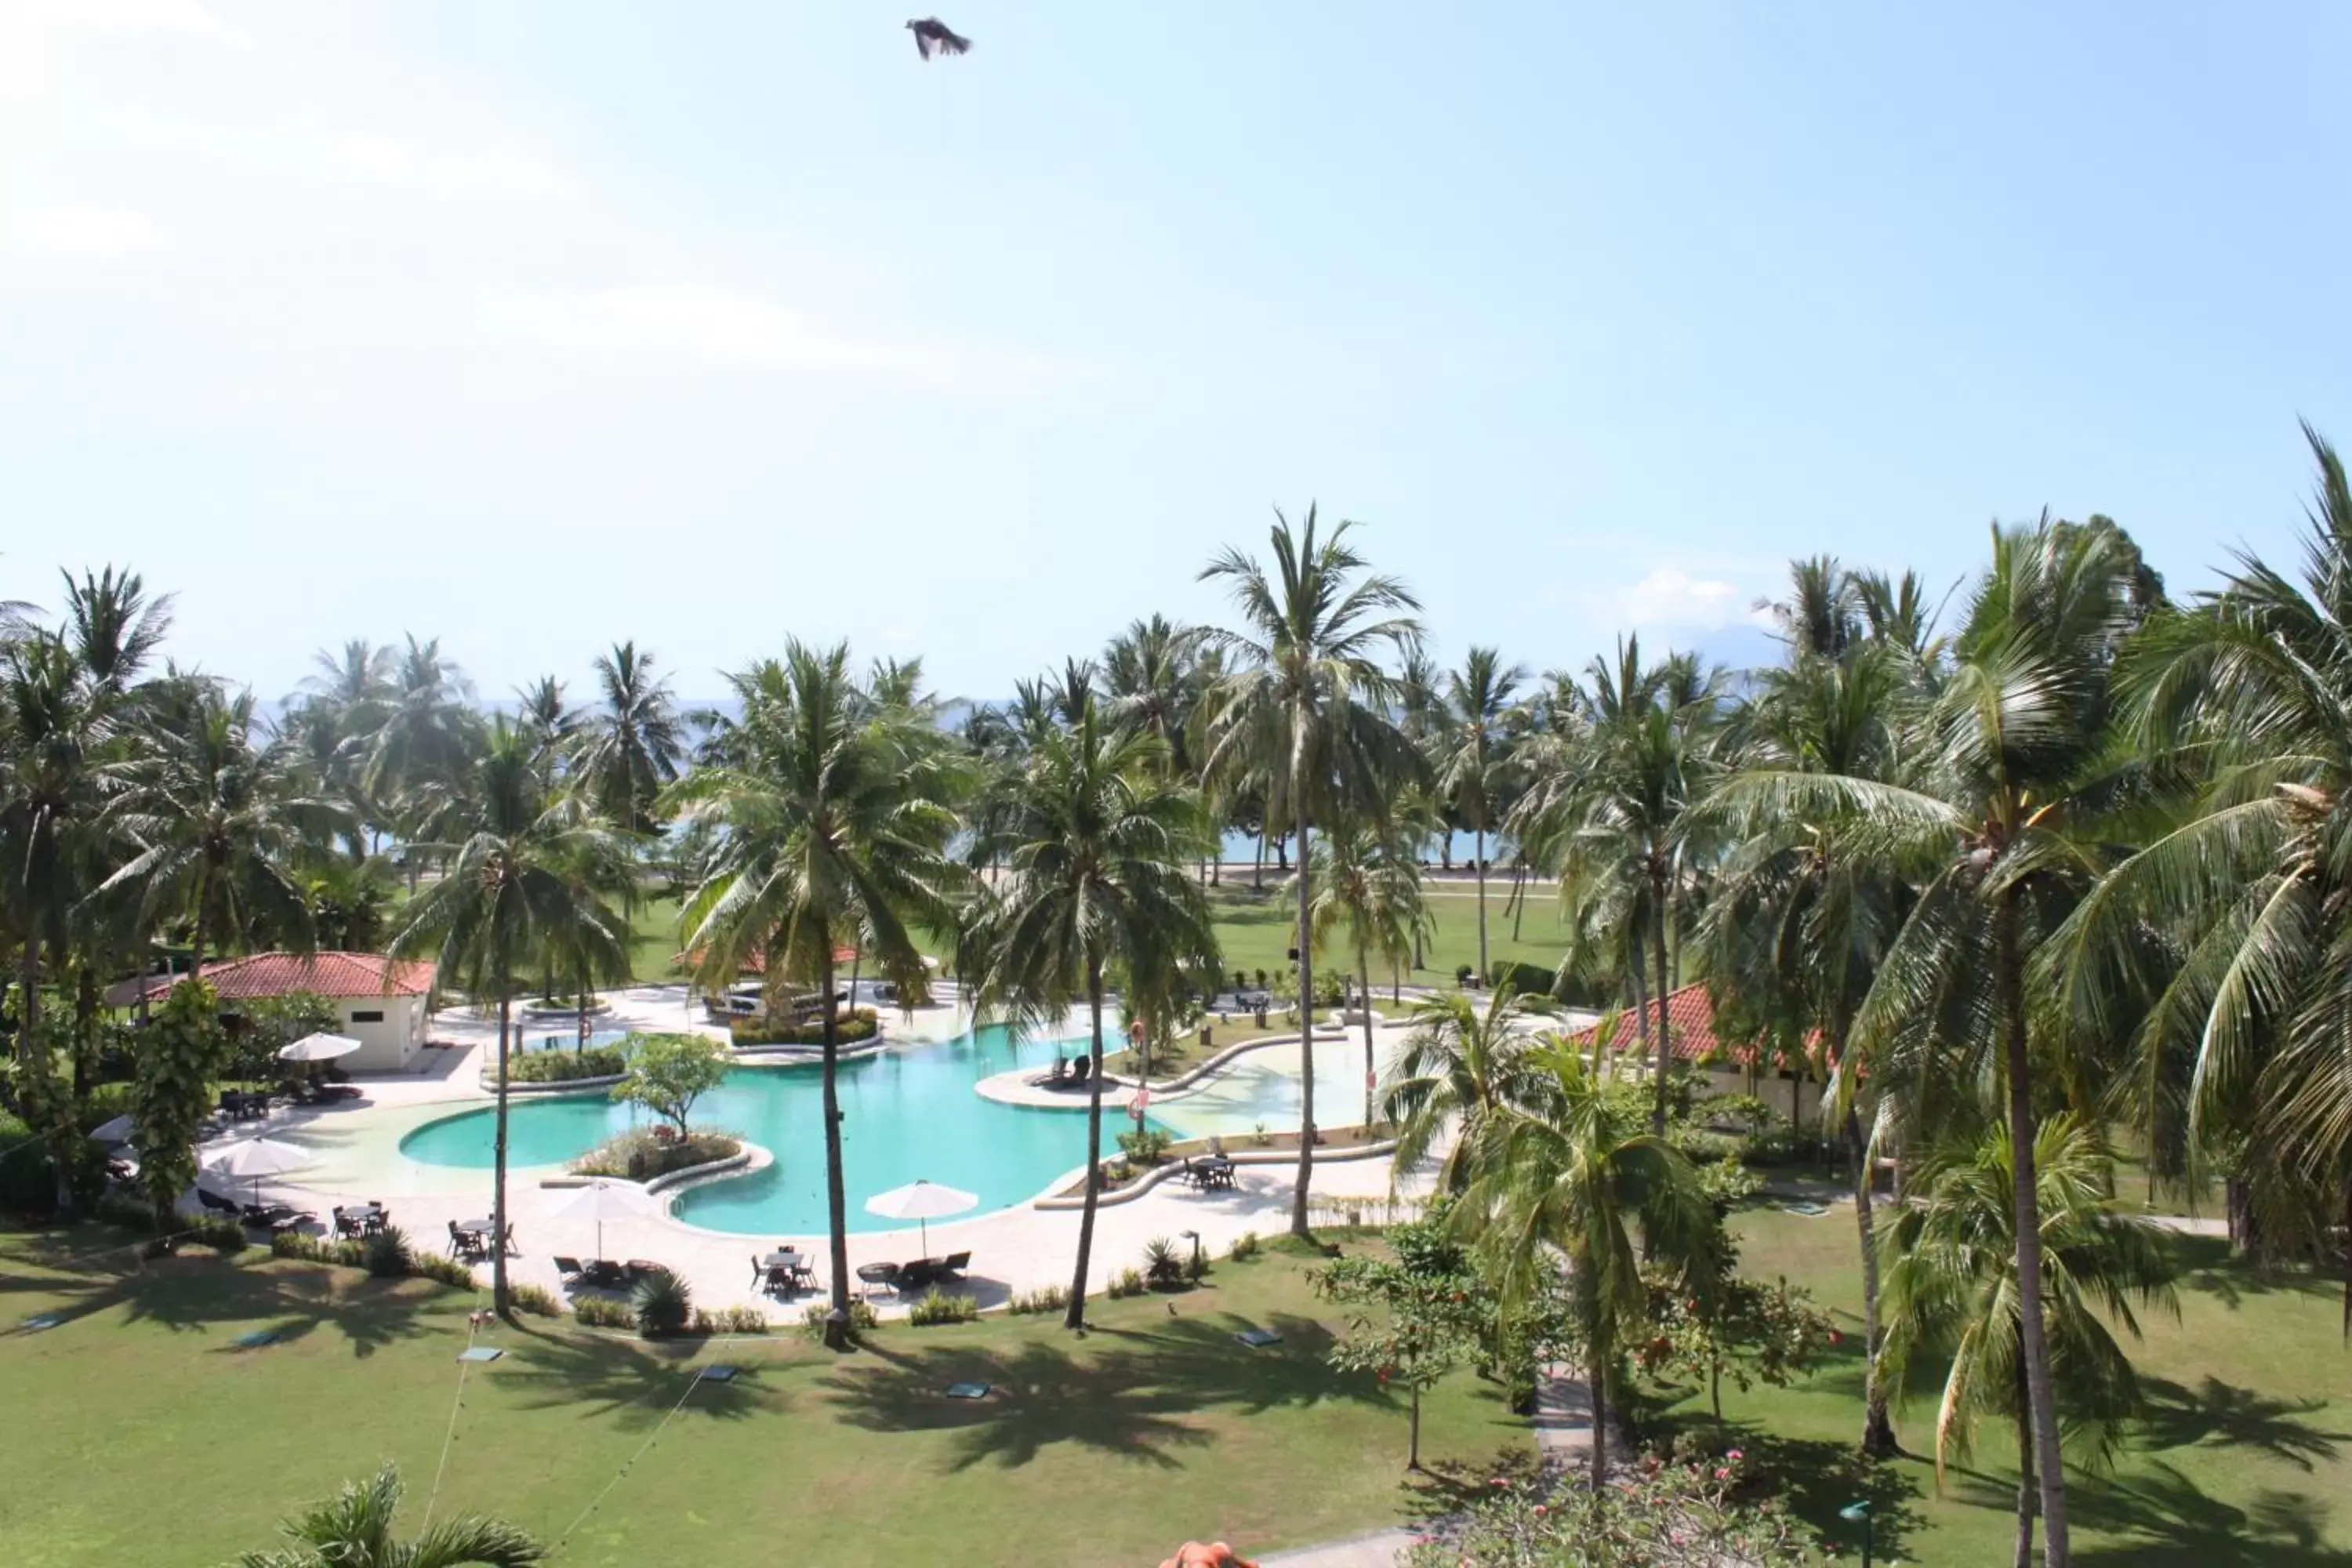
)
(862, 1025)
(563, 1066)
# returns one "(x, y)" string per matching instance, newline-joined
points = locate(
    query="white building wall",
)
(390, 1029)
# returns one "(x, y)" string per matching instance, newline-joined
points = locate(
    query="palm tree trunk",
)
(836, 1197)
(2023, 1557)
(1364, 983)
(1485, 974)
(498, 1161)
(1594, 1375)
(1518, 896)
(2039, 1400)
(1257, 867)
(1877, 1425)
(1413, 1432)
(1076, 1318)
(1640, 997)
(1305, 1045)
(1664, 1043)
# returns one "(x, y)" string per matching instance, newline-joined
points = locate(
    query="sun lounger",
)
(952, 1265)
(218, 1204)
(888, 1275)
(567, 1267)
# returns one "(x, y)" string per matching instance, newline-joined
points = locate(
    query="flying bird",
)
(931, 33)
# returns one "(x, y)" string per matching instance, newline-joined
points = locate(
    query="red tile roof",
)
(1690, 1026)
(332, 975)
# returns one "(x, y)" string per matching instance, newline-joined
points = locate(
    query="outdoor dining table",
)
(364, 1219)
(794, 1267)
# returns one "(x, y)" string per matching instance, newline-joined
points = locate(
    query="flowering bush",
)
(1658, 1516)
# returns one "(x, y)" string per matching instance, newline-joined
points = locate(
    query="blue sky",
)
(541, 325)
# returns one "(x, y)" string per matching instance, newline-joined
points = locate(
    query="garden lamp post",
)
(1859, 1514)
(1195, 1238)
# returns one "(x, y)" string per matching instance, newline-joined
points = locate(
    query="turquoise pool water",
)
(908, 1112)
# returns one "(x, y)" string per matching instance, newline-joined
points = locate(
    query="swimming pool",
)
(908, 1112)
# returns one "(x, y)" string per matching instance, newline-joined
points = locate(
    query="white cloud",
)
(120, 16)
(1671, 596)
(105, 233)
(496, 172)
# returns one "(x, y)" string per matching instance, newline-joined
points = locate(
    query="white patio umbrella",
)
(256, 1158)
(601, 1201)
(121, 1130)
(321, 1047)
(922, 1202)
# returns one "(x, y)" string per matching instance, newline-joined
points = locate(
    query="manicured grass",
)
(140, 1435)
(2245, 1455)
(1254, 929)
(654, 941)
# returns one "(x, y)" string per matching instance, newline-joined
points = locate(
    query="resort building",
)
(381, 1002)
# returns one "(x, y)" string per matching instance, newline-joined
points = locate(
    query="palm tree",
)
(1606, 806)
(2004, 824)
(525, 888)
(1307, 707)
(2215, 951)
(1463, 1063)
(1804, 913)
(1096, 850)
(1471, 754)
(1952, 1292)
(631, 741)
(426, 734)
(353, 1529)
(836, 821)
(1565, 1176)
(113, 627)
(1368, 886)
(216, 820)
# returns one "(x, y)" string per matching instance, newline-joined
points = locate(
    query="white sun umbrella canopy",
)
(601, 1201)
(921, 1202)
(319, 1048)
(119, 1130)
(256, 1158)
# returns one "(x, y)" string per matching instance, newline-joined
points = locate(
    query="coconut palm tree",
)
(1607, 807)
(2008, 817)
(2216, 950)
(1804, 912)
(113, 627)
(1367, 890)
(1307, 706)
(835, 817)
(630, 740)
(354, 1529)
(1952, 1296)
(1471, 752)
(1566, 1176)
(1462, 1062)
(1096, 850)
(529, 873)
(217, 822)
(425, 736)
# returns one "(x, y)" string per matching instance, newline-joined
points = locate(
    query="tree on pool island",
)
(1306, 712)
(667, 1073)
(1096, 845)
(834, 816)
(525, 880)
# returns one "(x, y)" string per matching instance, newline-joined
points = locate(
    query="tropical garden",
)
(2047, 884)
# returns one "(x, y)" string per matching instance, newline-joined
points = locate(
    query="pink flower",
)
(1735, 1456)
(1541, 1511)
(1722, 1475)
(1499, 1481)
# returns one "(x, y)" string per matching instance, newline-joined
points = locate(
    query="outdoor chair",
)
(350, 1223)
(465, 1243)
(1080, 1069)
(512, 1250)
(952, 1265)
(888, 1275)
(217, 1204)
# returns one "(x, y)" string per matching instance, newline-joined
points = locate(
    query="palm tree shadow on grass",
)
(1814, 1478)
(198, 1290)
(2167, 1520)
(2223, 1415)
(1133, 1392)
(2210, 1268)
(637, 1381)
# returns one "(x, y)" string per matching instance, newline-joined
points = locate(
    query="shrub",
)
(28, 1171)
(936, 1307)
(536, 1299)
(664, 1304)
(564, 1067)
(862, 1319)
(1127, 1282)
(388, 1255)
(1244, 1247)
(1462, 973)
(1526, 979)
(433, 1265)
(1164, 1265)
(596, 1313)
(731, 1321)
(1048, 1299)
(860, 1027)
(1144, 1146)
(640, 1156)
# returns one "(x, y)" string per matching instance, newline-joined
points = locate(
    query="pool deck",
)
(1014, 1249)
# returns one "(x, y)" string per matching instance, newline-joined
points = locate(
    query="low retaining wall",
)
(1194, 1074)
(748, 1157)
(1159, 1173)
(561, 1086)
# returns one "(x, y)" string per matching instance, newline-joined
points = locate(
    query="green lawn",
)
(1254, 929)
(142, 1435)
(2245, 1455)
